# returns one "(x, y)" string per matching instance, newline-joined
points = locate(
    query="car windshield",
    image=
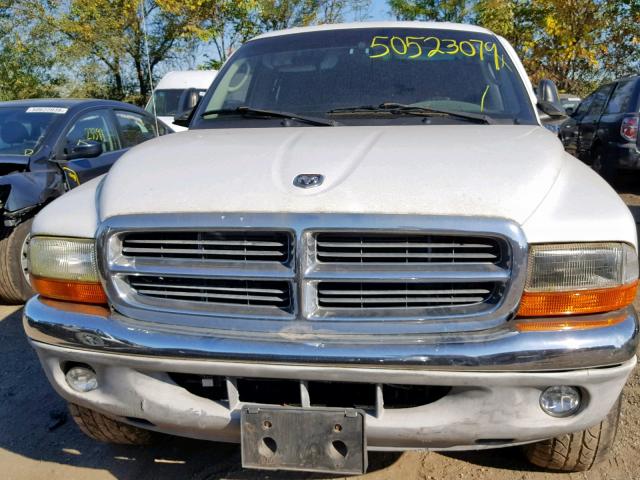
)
(330, 73)
(22, 129)
(570, 103)
(170, 103)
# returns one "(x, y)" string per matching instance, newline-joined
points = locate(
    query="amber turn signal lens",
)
(568, 324)
(551, 304)
(80, 292)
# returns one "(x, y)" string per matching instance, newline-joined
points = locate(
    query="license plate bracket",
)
(304, 439)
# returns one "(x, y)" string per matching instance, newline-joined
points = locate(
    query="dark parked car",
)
(603, 130)
(569, 102)
(46, 148)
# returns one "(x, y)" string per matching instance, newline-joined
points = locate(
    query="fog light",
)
(561, 401)
(82, 379)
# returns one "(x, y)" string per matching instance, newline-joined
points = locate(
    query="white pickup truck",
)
(366, 241)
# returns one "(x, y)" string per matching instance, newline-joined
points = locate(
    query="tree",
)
(27, 56)
(112, 32)
(280, 14)
(227, 23)
(623, 48)
(224, 23)
(576, 43)
(431, 10)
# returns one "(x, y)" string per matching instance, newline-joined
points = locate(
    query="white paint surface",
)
(519, 173)
(515, 172)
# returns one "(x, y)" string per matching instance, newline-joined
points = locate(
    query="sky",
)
(379, 10)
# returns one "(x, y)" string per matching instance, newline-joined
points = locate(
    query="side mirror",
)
(548, 92)
(85, 149)
(183, 119)
(551, 109)
(193, 98)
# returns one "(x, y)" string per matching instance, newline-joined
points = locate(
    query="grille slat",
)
(224, 289)
(405, 292)
(200, 295)
(368, 295)
(222, 246)
(402, 248)
(249, 293)
(399, 245)
(200, 252)
(405, 300)
(243, 243)
(409, 255)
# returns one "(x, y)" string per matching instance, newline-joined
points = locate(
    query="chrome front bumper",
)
(99, 329)
(495, 378)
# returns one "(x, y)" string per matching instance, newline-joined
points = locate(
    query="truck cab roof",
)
(460, 27)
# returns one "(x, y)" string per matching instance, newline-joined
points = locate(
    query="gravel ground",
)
(38, 440)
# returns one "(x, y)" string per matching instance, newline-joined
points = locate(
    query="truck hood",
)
(474, 170)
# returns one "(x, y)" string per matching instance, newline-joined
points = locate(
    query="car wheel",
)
(577, 452)
(105, 429)
(14, 276)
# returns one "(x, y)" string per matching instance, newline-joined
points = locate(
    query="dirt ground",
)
(38, 440)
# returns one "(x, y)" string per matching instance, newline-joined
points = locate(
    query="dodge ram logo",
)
(308, 180)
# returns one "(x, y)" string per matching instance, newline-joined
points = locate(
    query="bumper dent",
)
(494, 380)
(97, 329)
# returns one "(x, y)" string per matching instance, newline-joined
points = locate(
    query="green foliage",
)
(27, 60)
(113, 32)
(576, 43)
(229, 23)
(431, 10)
(96, 48)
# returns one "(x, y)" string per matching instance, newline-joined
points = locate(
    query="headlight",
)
(565, 279)
(65, 269)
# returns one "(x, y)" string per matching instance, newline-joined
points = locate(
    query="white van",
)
(177, 92)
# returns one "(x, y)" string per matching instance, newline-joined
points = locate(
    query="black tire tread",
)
(13, 287)
(107, 430)
(580, 451)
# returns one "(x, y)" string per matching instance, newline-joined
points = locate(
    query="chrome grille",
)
(371, 295)
(405, 248)
(249, 293)
(210, 245)
(329, 274)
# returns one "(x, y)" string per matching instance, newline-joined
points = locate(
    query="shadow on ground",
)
(501, 458)
(627, 183)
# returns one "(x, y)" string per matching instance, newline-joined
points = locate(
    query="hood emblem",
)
(308, 180)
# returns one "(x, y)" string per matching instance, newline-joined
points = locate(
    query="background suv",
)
(603, 130)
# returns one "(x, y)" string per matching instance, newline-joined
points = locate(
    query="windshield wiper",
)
(401, 109)
(321, 122)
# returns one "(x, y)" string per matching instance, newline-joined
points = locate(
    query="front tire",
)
(14, 280)
(577, 452)
(104, 429)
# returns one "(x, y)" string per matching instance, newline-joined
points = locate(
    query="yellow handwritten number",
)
(436, 49)
(491, 47)
(415, 47)
(452, 45)
(394, 41)
(468, 53)
(414, 41)
(374, 43)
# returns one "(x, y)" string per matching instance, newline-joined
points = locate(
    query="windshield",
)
(316, 73)
(170, 103)
(570, 103)
(22, 129)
